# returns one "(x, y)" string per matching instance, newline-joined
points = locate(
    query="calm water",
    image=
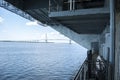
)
(39, 61)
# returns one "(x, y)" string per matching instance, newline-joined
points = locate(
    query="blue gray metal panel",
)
(79, 12)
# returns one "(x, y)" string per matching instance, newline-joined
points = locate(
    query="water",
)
(39, 61)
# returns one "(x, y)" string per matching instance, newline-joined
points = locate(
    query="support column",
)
(112, 34)
(117, 41)
(117, 48)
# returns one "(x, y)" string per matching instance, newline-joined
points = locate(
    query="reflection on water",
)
(39, 61)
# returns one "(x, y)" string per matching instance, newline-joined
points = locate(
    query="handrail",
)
(99, 65)
(71, 5)
(77, 76)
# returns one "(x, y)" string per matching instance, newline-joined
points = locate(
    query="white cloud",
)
(1, 19)
(34, 23)
(4, 31)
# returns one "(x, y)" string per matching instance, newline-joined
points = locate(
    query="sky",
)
(15, 27)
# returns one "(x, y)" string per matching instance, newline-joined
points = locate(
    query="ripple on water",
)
(39, 61)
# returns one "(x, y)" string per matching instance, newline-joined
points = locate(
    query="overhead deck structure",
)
(91, 23)
(77, 19)
(59, 14)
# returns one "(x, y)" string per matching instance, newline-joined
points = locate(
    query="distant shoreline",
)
(28, 41)
(32, 41)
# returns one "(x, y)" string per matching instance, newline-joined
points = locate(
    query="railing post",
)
(71, 5)
(89, 55)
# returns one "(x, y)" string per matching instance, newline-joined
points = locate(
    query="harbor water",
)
(40, 61)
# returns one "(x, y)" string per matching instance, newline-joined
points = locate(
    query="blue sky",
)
(14, 27)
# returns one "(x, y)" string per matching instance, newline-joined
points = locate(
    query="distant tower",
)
(46, 40)
(70, 42)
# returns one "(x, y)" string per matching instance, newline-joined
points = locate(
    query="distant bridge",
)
(94, 24)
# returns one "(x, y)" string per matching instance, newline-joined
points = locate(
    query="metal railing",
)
(71, 5)
(98, 68)
(53, 6)
(81, 73)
